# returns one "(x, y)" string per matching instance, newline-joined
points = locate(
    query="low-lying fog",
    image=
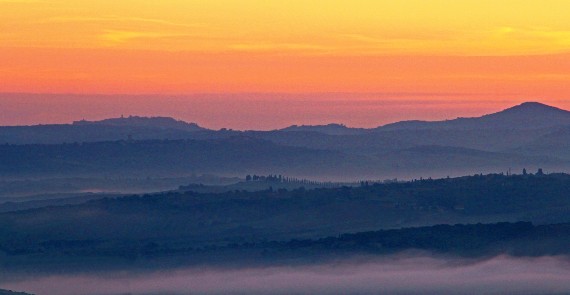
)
(395, 275)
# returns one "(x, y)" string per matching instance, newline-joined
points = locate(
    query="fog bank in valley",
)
(395, 275)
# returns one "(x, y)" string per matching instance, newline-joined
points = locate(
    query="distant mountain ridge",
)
(529, 135)
(528, 115)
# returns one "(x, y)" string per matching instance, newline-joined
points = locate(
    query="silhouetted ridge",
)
(533, 109)
(528, 115)
(136, 121)
(331, 129)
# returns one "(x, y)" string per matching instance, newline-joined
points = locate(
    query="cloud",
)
(116, 37)
(560, 37)
(491, 41)
(119, 19)
(24, 1)
(276, 46)
(114, 30)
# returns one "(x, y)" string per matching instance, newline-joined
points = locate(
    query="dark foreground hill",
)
(475, 240)
(7, 292)
(178, 222)
(459, 240)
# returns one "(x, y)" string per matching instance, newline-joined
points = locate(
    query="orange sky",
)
(509, 50)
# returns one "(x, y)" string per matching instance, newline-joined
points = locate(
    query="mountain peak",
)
(527, 115)
(534, 109)
(535, 106)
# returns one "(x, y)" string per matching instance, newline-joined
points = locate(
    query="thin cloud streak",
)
(115, 19)
(24, 1)
(115, 37)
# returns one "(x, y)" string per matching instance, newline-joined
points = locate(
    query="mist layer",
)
(409, 275)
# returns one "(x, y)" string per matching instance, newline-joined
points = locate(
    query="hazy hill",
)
(232, 156)
(393, 140)
(136, 121)
(367, 143)
(55, 134)
(529, 115)
(242, 155)
(511, 122)
(556, 144)
(136, 128)
(540, 126)
(436, 161)
(529, 135)
(331, 129)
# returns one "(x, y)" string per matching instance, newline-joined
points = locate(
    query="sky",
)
(467, 57)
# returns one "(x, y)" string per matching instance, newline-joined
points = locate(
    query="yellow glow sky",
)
(331, 27)
(492, 49)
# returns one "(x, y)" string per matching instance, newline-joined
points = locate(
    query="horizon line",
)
(279, 128)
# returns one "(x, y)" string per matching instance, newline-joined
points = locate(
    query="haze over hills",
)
(231, 156)
(530, 135)
(556, 144)
(528, 115)
(192, 224)
(276, 220)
